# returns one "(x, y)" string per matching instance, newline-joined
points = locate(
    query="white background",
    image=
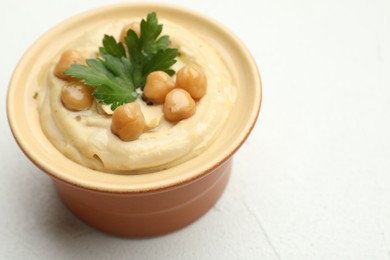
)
(311, 182)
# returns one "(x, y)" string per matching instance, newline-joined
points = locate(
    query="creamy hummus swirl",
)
(86, 138)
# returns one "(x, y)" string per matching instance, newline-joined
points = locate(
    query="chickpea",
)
(128, 122)
(178, 105)
(68, 58)
(158, 84)
(192, 79)
(135, 26)
(77, 97)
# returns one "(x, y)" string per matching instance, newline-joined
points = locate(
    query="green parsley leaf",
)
(162, 60)
(110, 46)
(116, 74)
(148, 51)
(110, 77)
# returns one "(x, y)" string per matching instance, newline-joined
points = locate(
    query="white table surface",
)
(311, 182)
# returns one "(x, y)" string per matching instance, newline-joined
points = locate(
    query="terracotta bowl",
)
(136, 205)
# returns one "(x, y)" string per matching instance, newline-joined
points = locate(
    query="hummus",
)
(86, 138)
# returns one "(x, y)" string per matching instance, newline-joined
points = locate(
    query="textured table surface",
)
(311, 182)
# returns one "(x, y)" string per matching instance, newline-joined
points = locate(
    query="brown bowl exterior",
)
(149, 213)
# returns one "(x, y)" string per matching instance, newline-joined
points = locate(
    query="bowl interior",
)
(24, 118)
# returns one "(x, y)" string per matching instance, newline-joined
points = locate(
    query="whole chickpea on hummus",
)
(175, 114)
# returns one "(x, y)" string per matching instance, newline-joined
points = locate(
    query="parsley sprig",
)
(118, 72)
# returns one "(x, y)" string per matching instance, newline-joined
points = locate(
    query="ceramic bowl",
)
(147, 204)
